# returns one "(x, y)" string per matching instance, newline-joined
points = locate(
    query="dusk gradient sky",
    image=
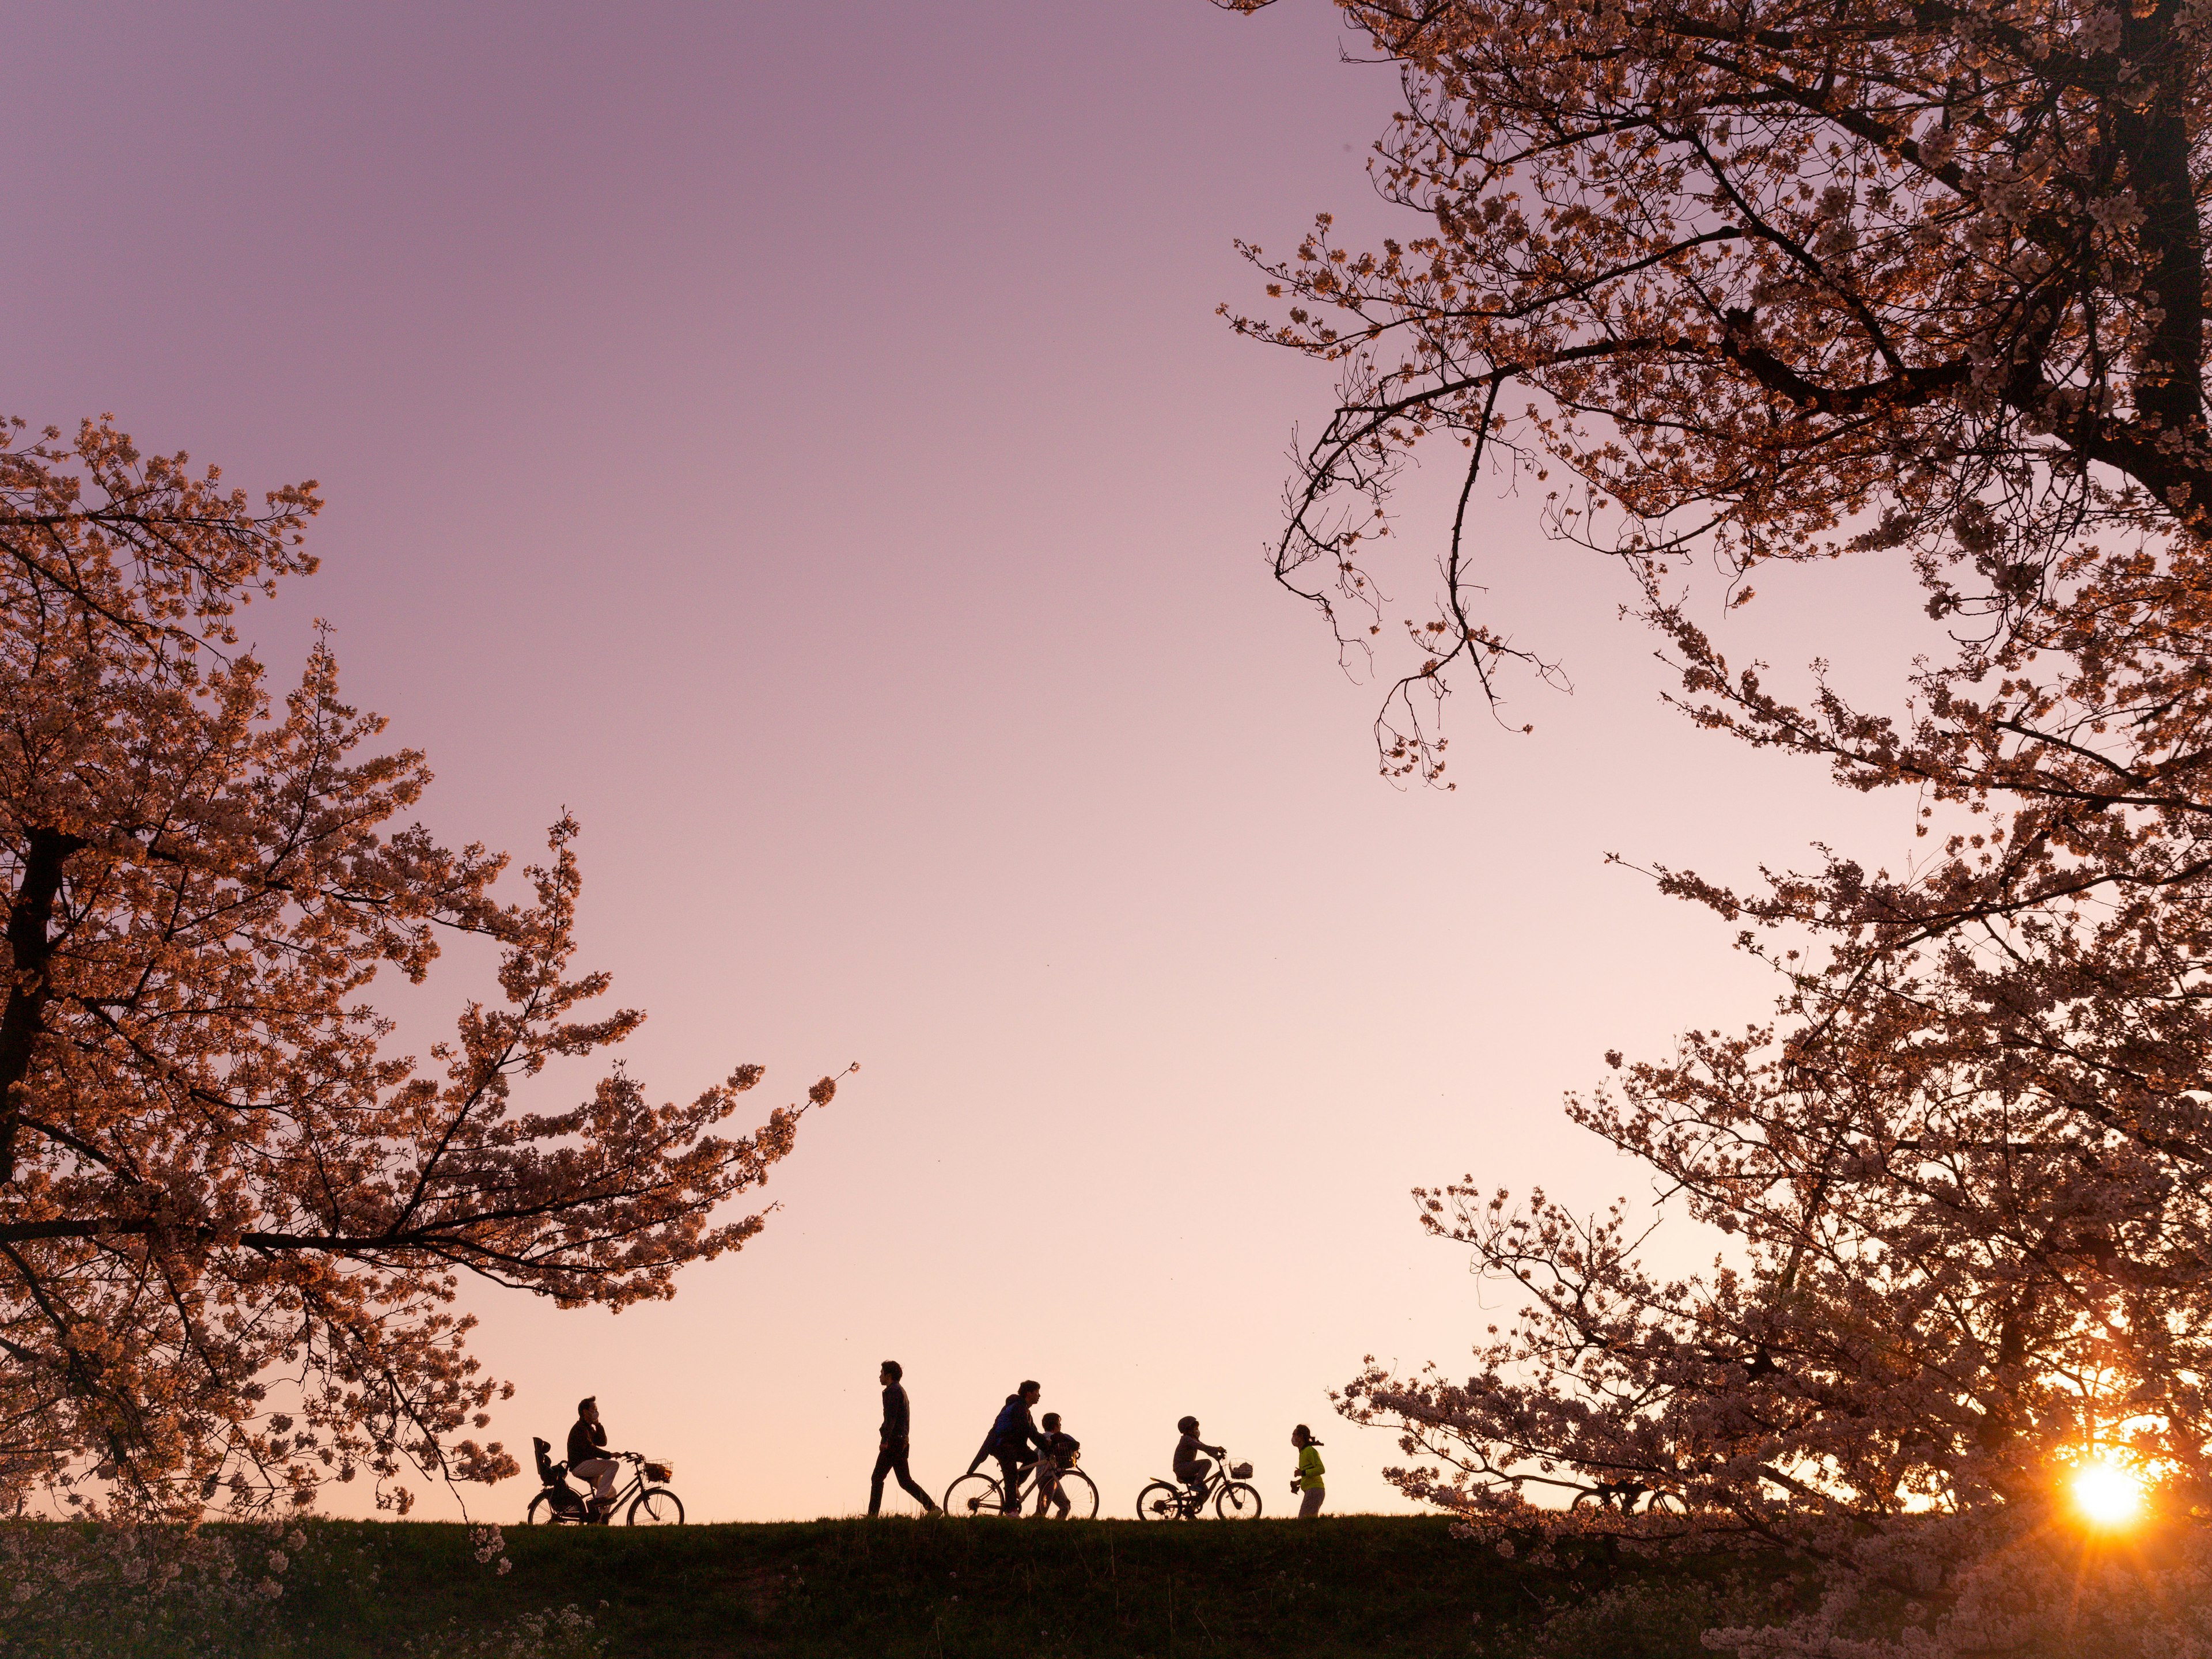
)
(799, 441)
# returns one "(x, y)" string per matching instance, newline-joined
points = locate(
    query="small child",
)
(1057, 1453)
(1190, 1467)
(1307, 1480)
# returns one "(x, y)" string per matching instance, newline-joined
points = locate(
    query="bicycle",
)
(977, 1494)
(1228, 1486)
(1622, 1495)
(562, 1505)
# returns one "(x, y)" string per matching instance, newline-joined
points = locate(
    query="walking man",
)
(895, 1437)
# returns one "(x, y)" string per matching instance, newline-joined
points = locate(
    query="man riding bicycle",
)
(587, 1455)
(1013, 1433)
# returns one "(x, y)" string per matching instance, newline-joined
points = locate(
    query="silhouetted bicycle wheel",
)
(542, 1512)
(1082, 1498)
(1237, 1501)
(1159, 1502)
(973, 1495)
(656, 1506)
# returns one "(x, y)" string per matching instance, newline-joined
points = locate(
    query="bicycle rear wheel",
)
(973, 1495)
(1237, 1501)
(542, 1513)
(1160, 1502)
(656, 1506)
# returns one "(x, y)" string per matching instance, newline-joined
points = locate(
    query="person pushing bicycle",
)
(1013, 1433)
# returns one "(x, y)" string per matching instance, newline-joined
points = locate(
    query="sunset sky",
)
(798, 439)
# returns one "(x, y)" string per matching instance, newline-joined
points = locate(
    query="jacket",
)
(1186, 1458)
(1013, 1431)
(587, 1441)
(898, 1417)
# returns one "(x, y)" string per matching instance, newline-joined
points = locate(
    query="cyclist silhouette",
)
(588, 1459)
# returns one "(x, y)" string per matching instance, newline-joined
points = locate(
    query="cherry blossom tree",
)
(233, 1223)
(1747, 283)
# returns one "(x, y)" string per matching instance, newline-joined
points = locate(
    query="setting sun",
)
(2107, 1494)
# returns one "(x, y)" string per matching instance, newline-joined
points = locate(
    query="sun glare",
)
(2107, 1494)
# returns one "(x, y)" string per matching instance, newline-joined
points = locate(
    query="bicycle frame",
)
(1193, 1500)
(624, 1492)
(1076, 1486)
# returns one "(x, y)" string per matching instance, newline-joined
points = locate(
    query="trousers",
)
(1049, 1489)
(1309, 1505)
(1194, 1474)
(600, 1472)
(1011, 1470)
(892, 1460)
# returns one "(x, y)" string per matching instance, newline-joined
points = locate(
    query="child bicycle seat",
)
(555, 1476)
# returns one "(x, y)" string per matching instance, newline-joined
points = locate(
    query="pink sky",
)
(799, 441)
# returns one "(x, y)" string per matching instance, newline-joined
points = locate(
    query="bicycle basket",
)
(1241, 1472)
(659, 1471)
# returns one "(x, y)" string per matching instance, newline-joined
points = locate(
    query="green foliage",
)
(1651, 1620)
(1335, 1589)
(1359, 1586)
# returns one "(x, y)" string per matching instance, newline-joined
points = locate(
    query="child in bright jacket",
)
(1307, 1480)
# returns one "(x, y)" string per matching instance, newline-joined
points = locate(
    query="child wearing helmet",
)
(1190, 1467)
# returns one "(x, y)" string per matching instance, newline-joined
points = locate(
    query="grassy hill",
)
(1361, 1585)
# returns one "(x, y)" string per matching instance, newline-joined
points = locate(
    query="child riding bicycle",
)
(1190, 1467)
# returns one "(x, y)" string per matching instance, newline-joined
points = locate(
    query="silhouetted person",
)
(1190, 1467)
(1307, 1480)
(1056, 1455)
(894, 1438)
(587, 1455)
(1013, 1431)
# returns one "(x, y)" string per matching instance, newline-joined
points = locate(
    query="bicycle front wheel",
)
(1237, 1501)
(1082, 1498)
(656, 1506)
(1159, 1502)
(972, 1495)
